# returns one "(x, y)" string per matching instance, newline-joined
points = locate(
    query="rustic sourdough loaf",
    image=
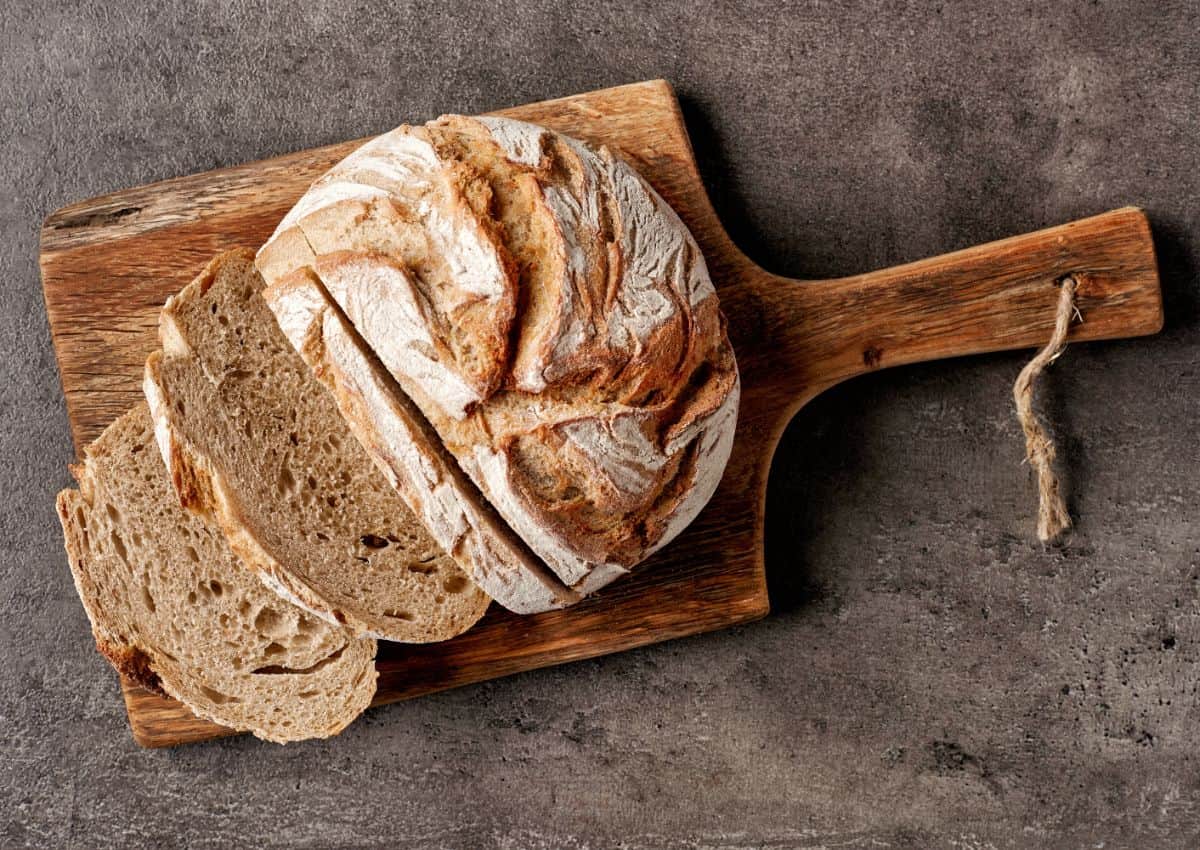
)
(173, 609)
(547, 313)
(253, 440)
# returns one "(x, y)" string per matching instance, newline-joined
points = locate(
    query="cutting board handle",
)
(997, 296)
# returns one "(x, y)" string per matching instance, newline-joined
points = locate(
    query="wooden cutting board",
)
(109, 263)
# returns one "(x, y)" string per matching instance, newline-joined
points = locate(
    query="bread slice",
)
(408, 453)
(254, 440)
(173, 609)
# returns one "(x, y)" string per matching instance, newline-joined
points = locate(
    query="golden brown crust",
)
(131, 663)
(192, 484)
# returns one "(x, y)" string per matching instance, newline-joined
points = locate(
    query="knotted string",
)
(1053, 518)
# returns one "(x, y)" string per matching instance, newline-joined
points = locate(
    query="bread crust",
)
(132, 663)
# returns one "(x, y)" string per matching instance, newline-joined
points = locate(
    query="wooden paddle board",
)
(109, 263)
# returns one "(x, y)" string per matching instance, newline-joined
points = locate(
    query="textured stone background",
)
(931, 677)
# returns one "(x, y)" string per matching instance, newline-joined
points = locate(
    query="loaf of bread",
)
(546, 312)
(486, 359)
(174, 610)
(255, 442)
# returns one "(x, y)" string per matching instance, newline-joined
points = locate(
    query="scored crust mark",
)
(387, 298)
(614, 416)
(625, 274)
(173, 610)
(255, 442)
(392, 200)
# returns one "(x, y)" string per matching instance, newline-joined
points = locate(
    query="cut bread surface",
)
(255, 441)
(173, 609)
(408, 453)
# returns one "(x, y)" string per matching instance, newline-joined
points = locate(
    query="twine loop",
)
(1040, 450)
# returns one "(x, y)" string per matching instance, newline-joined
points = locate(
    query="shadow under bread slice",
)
(173, 608)
(253, 440)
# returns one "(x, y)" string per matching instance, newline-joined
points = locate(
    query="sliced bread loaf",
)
(253, 439)
(173, 609)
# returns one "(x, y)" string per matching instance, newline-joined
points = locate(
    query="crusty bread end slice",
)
(172, 608)
(254, 441)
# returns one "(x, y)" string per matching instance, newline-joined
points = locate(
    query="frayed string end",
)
(1053, 518)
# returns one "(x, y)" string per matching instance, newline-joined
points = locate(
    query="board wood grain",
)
(109, 263)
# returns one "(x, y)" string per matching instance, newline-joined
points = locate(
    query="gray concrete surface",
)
(931, 677)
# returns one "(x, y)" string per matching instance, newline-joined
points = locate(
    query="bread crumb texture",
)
(174, 610)
(256, 443)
